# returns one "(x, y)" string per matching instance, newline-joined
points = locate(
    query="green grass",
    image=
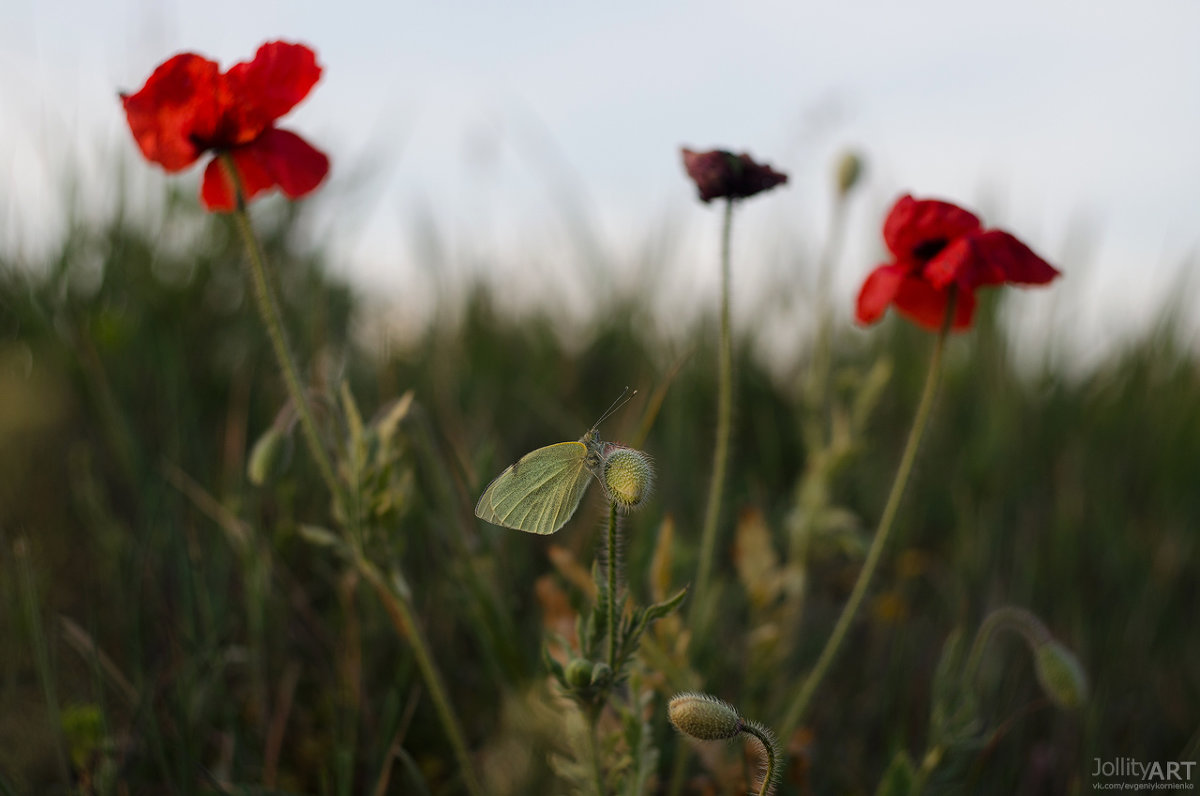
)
(215, 647)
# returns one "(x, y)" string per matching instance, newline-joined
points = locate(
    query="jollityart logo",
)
(1128, 773)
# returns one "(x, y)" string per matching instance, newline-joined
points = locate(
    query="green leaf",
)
(953, 712)
(321, 537)
(900, 779)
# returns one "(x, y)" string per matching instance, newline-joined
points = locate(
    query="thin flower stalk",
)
(833, 645)
(613, 562)
(268, 310)
(712, 513)
(399, 610)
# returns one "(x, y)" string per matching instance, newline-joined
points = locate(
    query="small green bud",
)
(270, 456)
(1061, 675)
(579, 673)
(849, 171)
(704, 717)
(628, 477)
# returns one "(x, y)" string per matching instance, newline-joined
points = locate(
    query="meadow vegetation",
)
(172, 626)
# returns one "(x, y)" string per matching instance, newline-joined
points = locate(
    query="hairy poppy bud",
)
(1061, 675)
(704, 717)
(628, 477)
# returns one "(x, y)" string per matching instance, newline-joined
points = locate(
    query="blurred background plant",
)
(168, 627)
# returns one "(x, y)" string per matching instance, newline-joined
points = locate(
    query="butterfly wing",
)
(540, 492)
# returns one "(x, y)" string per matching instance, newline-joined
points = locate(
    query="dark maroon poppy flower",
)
(723, 175)
(189, 107)
(935, 245)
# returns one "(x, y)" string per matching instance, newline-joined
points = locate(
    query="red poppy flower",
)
(723, 175)
(936, 245)
(188, 107)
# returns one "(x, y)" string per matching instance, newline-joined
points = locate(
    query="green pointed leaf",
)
(900, 779)
(321, 537)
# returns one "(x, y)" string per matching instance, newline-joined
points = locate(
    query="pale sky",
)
(1075, 125)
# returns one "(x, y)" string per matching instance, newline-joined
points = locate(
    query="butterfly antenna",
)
(622, 399)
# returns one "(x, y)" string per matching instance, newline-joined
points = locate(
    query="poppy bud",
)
(579, 673)
(628, 477)
(1061, 675)
(704, 717)
(849, 171)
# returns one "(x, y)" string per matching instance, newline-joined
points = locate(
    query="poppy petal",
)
(878, 291)
(295, 165)
(719, 174)
(925, 305)
(262, 90)
(964, 263)
(914, 223)
(1014, 259)
(176, 111)
(217, 191)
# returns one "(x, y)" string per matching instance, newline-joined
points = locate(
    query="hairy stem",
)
(712, 513)
(268, 310)
(398, 609)
(1012, 618)
(770, 749)
(886, 521)
(613, 562)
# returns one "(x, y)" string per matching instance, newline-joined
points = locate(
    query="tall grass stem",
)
(41, 651)
(401, 614)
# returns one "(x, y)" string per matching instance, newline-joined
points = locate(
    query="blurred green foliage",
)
(199, 642)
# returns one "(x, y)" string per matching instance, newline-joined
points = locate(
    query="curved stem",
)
(712, 513)
(612, 586)
(770, 749)
(268, 309)
(886, 521)
(1010, 617)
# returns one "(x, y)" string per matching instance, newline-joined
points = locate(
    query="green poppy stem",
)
(769, 749)
(712, 513)
(398, 609)
(268, 310)
(886, 522)
(613, 562)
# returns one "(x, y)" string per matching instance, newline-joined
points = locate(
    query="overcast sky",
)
(1075, 125)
